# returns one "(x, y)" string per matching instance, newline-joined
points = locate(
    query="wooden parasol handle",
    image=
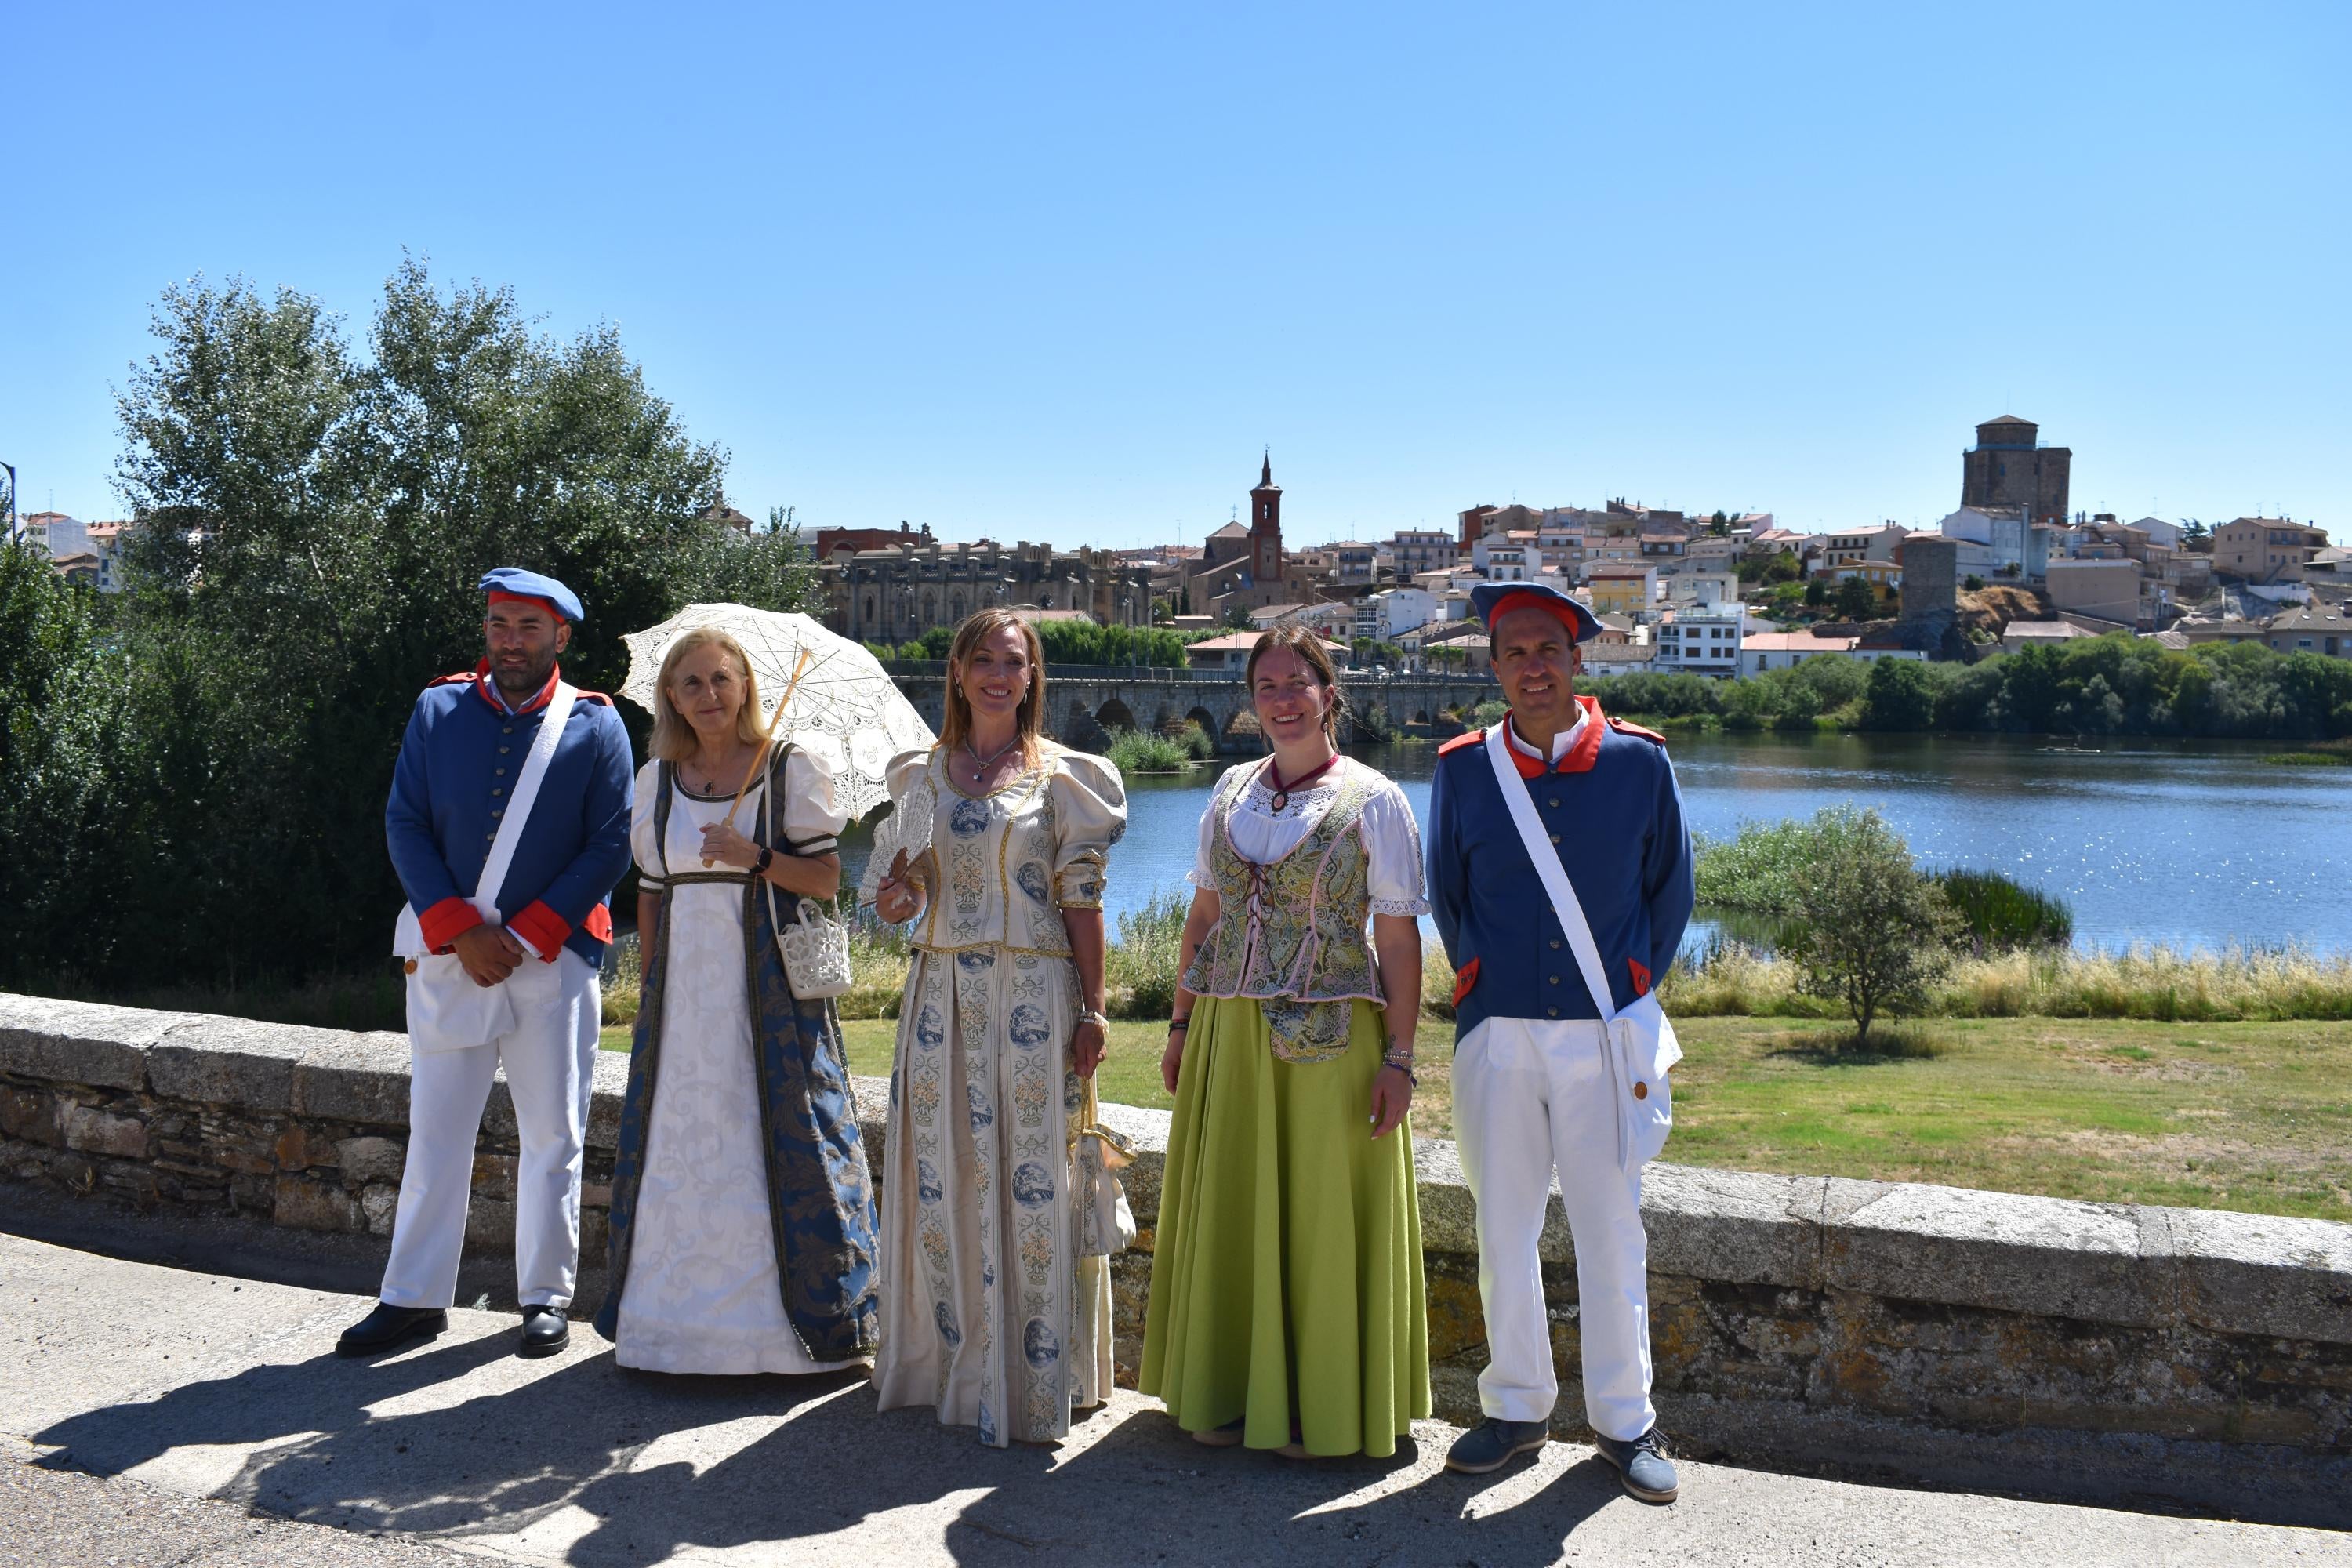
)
(768, 741)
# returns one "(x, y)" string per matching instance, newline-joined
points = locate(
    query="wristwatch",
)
(1094, 1016)
(767, 858)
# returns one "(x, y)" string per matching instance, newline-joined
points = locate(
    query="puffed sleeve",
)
(1200, 875)
(1089, 816)
(811, 817)
(1392, 844)
(1203, 874)
(650, 861)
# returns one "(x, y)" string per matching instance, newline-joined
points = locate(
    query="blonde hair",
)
(1029, 720)
(1307, 644)
(673, 738)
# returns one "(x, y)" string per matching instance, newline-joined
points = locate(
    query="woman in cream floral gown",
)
(983, 1315)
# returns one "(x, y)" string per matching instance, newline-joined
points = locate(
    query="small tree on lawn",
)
(1870, 932)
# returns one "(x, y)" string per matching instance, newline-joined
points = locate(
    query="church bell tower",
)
(1265, 527)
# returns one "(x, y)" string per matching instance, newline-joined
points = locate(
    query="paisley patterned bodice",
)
(1291, 934)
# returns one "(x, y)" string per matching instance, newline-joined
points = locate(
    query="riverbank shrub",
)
(1867, 930)
(1758, 870)
(2001, 913)
(1198, 743)
(1137, 752)
(1145, 960)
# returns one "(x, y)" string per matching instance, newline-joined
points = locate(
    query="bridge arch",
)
(1115, 715)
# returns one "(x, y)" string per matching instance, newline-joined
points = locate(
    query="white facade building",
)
(1702, 642)
(1388, 615)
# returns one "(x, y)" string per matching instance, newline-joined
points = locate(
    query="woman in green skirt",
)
(1288, 1309)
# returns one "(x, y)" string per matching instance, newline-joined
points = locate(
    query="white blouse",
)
(1392, 837)
(810, 819)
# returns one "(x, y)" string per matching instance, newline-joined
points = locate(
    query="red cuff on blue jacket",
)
(542, 928)
(445, 922)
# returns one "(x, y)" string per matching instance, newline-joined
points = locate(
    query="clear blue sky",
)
(1060, 273)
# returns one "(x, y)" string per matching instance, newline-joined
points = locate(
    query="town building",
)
(896, 594)
(1354, 563)
(829, 540)
(1248, 567)
(1999, 544)
(2321, 626)
(1388, 614)
(2010, 467)
(1232, 651)
(1702, 641)
(1842, 550)
(1760, 652)
(2018, 636)
(2106, 587)
(2266, 549)
(1629, 590)
(86, 553)
(1414, 550)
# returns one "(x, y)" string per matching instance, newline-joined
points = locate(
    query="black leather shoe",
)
(390, 1327)
(545, 1330)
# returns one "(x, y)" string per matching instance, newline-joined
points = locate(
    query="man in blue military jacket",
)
(1537, 1082)
(467, 742)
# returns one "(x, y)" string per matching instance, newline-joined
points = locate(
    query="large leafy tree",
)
(312, 520)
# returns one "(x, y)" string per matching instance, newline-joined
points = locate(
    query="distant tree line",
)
(193, 773)
(2112, 685)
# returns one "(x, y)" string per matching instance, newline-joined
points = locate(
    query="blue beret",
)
(1492, 599)
(524, 585)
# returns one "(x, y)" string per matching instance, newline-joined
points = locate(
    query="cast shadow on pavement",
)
(1145, 1492)
(643, 1466)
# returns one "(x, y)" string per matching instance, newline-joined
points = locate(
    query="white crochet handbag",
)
(816, 950)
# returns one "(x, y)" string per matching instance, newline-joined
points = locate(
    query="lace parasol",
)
(845, 710)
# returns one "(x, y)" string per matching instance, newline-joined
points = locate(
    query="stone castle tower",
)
(1265, 526)
(2008, 467)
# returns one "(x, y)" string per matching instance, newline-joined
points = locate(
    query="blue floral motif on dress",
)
(970, 816)
(944, 1315)
(1031, 878)
(988, 1426)
(1040, 1345)
(1073, 1095)
(927, 1182)
(987, 1272)
(976, 960)
(982, 1116)
(1031, 1185)
(1027, 1026)
(929, 1032)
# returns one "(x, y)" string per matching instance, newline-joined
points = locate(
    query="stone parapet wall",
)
(1931, 1333)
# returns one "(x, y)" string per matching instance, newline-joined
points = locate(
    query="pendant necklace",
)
(980, 765)
(1282, 791)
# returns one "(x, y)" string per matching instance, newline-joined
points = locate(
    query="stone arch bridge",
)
(1086, 703)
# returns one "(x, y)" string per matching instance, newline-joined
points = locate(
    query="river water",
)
(2198, 844)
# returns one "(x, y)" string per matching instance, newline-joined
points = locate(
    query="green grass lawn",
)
(2255, 1117)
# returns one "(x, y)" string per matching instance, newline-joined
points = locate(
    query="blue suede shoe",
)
(1641, 1464)
(1492, 1444)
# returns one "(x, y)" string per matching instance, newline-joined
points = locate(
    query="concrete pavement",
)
(190, 1386)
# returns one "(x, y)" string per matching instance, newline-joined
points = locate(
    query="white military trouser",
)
(1530, 1096)
(550, 1060)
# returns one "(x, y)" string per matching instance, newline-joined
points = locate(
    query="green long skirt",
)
(1285, 1276)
